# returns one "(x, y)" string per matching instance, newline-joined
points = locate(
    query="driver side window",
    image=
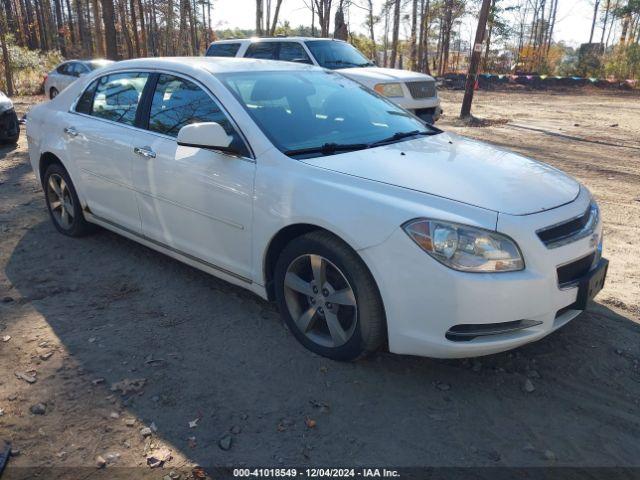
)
(178, 102)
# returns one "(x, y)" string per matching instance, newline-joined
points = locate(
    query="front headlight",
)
(389, 89)
(465, 248)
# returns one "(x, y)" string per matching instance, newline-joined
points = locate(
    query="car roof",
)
(213, 65)
(274, 39)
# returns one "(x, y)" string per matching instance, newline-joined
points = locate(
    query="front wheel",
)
(328, 298)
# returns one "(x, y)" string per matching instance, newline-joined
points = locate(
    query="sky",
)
(573, 21)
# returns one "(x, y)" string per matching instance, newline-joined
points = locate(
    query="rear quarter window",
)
(223, 50)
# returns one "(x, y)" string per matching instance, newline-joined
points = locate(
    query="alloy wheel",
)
(320, 300)
(60, 201)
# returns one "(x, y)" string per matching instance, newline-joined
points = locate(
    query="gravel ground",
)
(101, 338)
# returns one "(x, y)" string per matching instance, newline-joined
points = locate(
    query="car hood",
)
(460, 169)
(383, 74)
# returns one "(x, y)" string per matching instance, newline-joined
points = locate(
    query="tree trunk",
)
(97, 20)
(108, 19)
(274, 23)
(72, 33)
(413, 52)
(593, 22)
(259, 16)
(395, 33)
(604, 22)
(169, 44)
(426, 20)
(41, 26)
(134, 26)
(60, 27)
(184, 28)
(446, 36)
(82, 30)
(372, 36)
(6, 59)
(492, 13)
(193, 26)
(143, 30)
(385, 55)
(124, 29)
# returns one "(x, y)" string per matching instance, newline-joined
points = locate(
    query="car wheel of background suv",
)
(328, 298)
(63, 204)
(53, 93)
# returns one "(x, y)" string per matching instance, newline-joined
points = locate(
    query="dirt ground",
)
(117, 338)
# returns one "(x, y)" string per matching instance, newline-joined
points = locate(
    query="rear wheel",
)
(328, 298)
(63, 204)
(53, 92)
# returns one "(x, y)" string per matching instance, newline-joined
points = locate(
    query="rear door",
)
(196, 201)
(99, 137)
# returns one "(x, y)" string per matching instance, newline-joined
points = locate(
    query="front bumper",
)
(9, 126)
(424, 299)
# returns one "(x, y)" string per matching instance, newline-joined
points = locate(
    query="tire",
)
(76, 225)
(53, 93)
(350, 296)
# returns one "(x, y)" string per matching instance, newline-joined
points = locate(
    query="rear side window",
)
(117, 96)
(293, 52)
(85, 102)
(178, 102)
(63, 69)
(223, 50)
(264, 50)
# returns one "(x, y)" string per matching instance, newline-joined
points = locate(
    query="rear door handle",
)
(71, 131)
(145, 152)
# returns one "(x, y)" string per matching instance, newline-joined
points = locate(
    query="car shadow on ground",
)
(213, 352)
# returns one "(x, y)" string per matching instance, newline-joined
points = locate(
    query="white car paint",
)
(219, 213)
(367, 76)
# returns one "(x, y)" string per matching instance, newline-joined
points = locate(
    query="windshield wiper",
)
(328, 148)
(402, 135)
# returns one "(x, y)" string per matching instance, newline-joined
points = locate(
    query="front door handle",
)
(71, 131)
(145, 152)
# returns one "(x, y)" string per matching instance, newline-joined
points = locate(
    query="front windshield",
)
(303, 110)
(332, 54)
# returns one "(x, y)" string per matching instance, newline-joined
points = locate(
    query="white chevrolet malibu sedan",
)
(368, 227)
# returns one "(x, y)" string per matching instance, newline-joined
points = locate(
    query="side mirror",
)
(209, 135)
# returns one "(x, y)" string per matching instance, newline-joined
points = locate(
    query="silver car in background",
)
(68, 72)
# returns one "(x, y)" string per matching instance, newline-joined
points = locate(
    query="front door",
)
(196, 201)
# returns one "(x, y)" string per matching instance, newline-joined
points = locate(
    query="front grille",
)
(570, 230)
(569, 273)
(425, 89)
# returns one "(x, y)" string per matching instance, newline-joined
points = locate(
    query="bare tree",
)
(395, 33)
(413, 52)
(6, 59)
(323, 8)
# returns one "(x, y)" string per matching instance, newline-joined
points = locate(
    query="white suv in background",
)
(413, 91)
